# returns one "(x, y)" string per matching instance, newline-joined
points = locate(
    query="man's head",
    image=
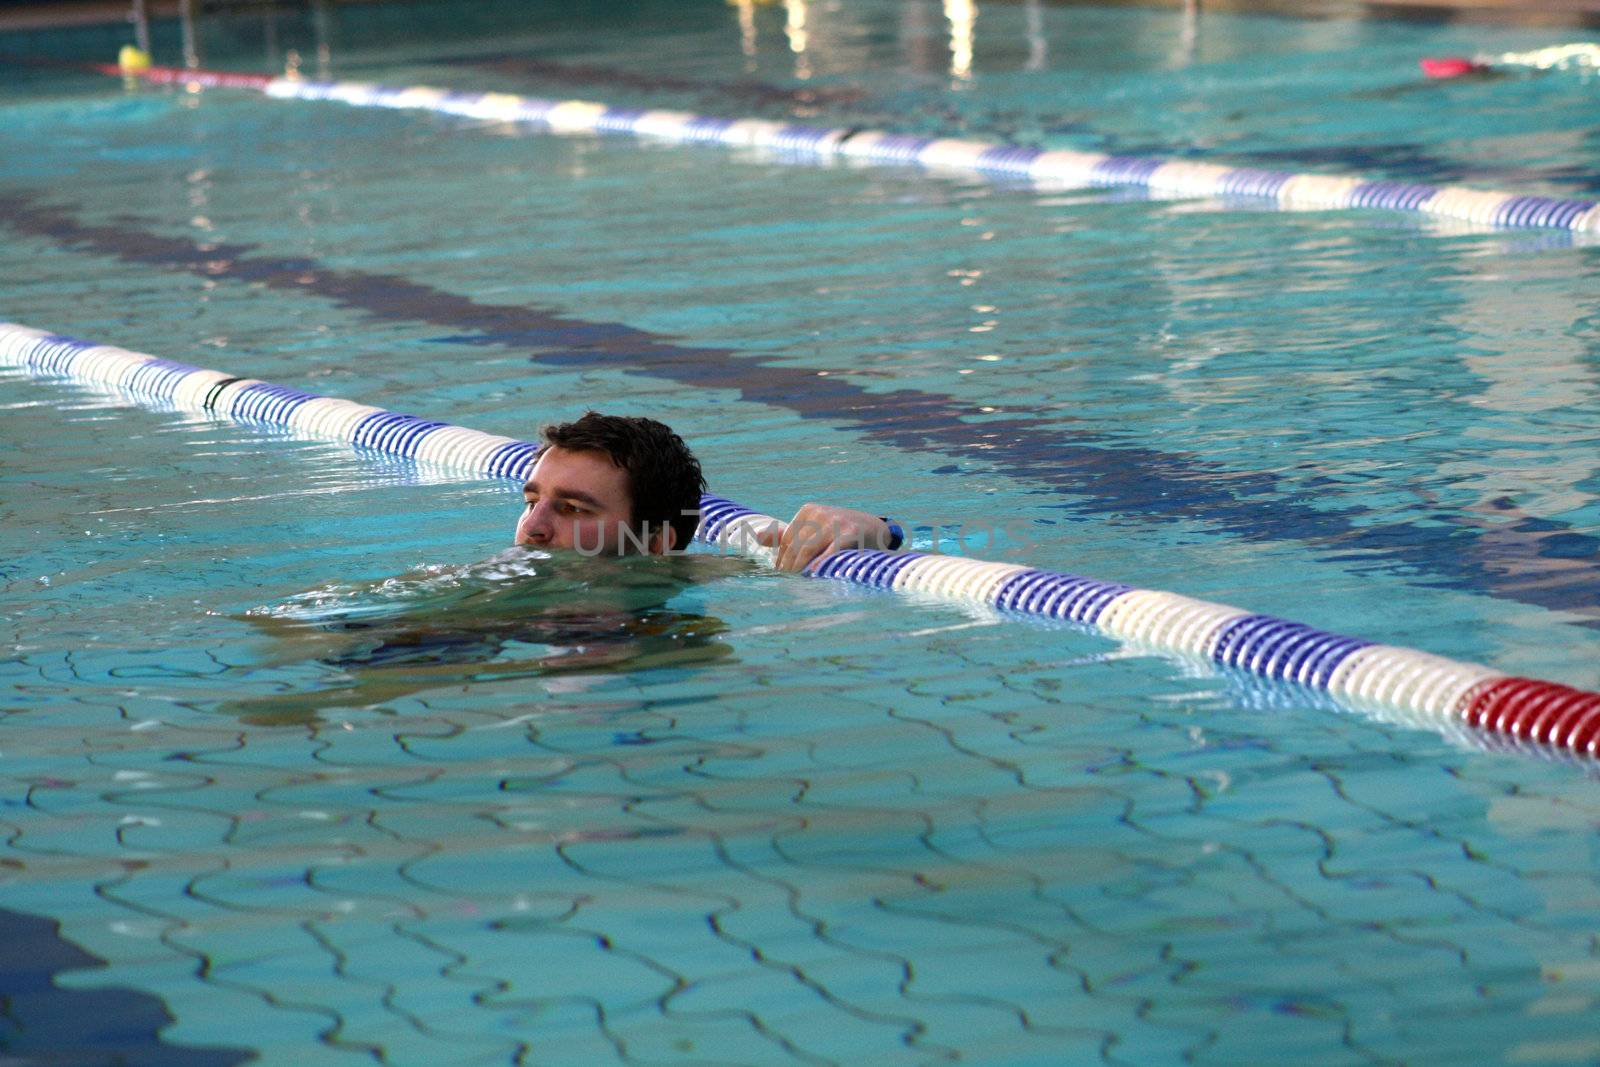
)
(609, 484)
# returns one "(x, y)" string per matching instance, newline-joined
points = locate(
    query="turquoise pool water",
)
(702, 813)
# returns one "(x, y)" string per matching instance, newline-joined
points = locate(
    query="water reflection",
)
(523, 613)
(1038, 43)
(747, 32)
(961, 15)
(794, 29)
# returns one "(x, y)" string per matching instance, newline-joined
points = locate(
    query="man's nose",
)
(533, 528)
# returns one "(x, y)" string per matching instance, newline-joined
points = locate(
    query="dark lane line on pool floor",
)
(747, 90)
(44, 1022)
(1506, 554)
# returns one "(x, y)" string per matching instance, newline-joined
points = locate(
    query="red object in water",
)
(207, 79)
(1451, 67)
(1542, 712)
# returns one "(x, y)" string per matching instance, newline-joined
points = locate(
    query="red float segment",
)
(1477, 704)
(1543, 712)
(1451, 67)
(1585, 735)
(1533, 715)
(1565, 720)
(208, 79)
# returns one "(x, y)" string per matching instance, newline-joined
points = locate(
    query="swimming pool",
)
(758, 819)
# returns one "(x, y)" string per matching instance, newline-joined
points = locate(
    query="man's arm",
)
(819, 530)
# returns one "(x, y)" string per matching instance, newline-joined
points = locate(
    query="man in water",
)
(619, 485)
(604, 485)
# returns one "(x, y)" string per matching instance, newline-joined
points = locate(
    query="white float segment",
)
(1067, 167)
(953, 155)
(1167, 621)
(104, 363)
(866, 145)
(457, 446)
(750, 133)
(761, 134)
(1187, 176)
(743, 533)
(819, 141)
(667, 125)
(955, 576)
(226, 396)
(829, 143)
(1318, 192)
(296, 89)
(418, 97)
(191, 393)
(1471, 205)
(1385, 676)
(505, 107)
(571, 116)
(332, 417)
(357, 94)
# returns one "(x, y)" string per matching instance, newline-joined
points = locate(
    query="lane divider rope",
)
(1177, 177)
(1397, 683)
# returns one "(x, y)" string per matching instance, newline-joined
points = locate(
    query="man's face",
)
(576, 500)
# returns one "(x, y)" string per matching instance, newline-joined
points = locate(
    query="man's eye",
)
(570, 508)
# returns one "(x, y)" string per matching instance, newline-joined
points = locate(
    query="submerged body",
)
(523, 612)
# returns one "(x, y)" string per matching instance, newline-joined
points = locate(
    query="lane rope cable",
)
(1052, 167)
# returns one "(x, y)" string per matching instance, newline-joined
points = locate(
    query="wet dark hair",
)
(664, 478)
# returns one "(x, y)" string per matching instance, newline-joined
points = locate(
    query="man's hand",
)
(819, 530)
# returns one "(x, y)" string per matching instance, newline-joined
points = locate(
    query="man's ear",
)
(664, 540)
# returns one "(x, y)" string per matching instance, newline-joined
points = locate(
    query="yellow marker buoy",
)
(133, 60)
